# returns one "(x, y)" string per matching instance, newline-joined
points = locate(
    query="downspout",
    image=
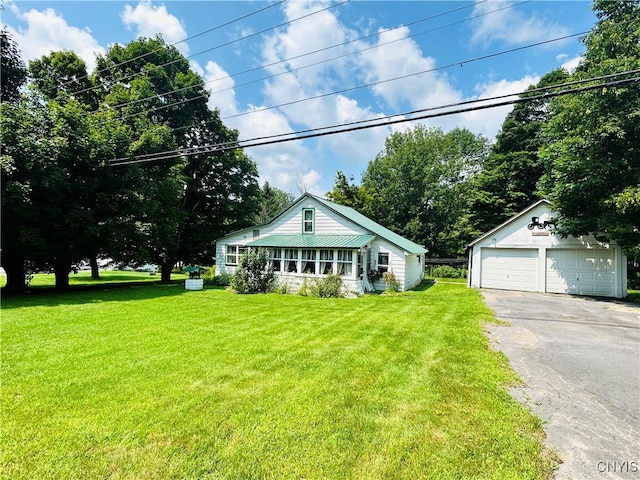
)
(470, 249)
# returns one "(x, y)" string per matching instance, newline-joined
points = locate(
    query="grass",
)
(83, 278)
(155, 382)
(633, 296)
(446, 280)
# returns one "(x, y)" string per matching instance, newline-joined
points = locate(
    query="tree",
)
(63, 74)
(509, 180)
(18, 151)
(13, 72)
(417, 186)
(21, 160)
(591, 139)
(272, 201)
(194, 192)
(346, 192)
(78, 196)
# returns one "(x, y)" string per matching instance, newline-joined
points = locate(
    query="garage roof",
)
(510, 220)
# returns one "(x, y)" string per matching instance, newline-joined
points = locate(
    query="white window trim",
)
(239, 250)
(312, 221)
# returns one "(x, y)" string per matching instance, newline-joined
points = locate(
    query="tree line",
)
(62, 199)
(580, 151)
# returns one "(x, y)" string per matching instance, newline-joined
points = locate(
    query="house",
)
(525, 254)
(314, 237)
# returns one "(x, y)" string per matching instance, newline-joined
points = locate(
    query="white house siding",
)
(396, 262)
(414, 271)
(326, 222)
(294, 282)
(581, 265)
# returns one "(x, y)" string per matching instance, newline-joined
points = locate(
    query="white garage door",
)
(580, 271)
(510, 269)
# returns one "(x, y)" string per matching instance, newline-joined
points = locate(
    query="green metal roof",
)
(348, 213)
(365, 222)
(313, 241)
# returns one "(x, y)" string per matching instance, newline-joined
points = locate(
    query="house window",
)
(345, 263)
(326, 262)
(308, 261)
(275, 259)
(308, 220)
(383, 263)
(290, 260)
(233, 254)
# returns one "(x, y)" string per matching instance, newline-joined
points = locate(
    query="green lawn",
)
(83, 278)
(155, 382)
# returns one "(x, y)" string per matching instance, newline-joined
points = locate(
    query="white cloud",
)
(352, 150)
(510, 25)
(47, 31)
(150, 20)
(221, 85)
(404, 58)
(279, 163)
(571, 64)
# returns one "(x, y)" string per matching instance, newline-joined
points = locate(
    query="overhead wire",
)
(349, 89)
(313, 52)
(155, 67)
(403, 117)
(422, 72)
(235, 87)
(379, 82)
(191, 37)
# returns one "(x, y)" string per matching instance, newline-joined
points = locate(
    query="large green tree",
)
(417, 186)
(272, 201)
(191, 190)
(591, 139)
(510, 177)
(22, 131)
(13, 72)
(18, 152)
(81, 198)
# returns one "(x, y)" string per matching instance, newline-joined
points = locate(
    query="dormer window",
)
(308, 220)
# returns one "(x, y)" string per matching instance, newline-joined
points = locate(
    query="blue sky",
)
(373, 42)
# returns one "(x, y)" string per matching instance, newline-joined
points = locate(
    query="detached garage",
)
(524, 254)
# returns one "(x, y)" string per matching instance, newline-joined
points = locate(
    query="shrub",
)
(282, 288)
(327, 287)
(446, 271)
(633, 282)
(209, 276)
(222, 280)
(391, 281)
(253, 274)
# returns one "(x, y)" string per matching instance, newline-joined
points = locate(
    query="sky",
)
(279, 67)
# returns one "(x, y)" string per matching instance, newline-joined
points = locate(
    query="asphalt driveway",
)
(580, 360)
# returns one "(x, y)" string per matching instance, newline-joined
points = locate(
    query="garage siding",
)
(520, 254)
(510, 269)
(579, 271)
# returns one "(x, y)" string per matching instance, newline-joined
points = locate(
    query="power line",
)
(196, 97)
(371, 84)
(155, 67)
(524, 97)
(295, 57)
(176, 43)
(461, 63)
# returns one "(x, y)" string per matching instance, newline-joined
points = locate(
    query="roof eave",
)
(509, 220)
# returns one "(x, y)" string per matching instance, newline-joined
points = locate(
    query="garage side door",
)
(580, 271)
(510, 269)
